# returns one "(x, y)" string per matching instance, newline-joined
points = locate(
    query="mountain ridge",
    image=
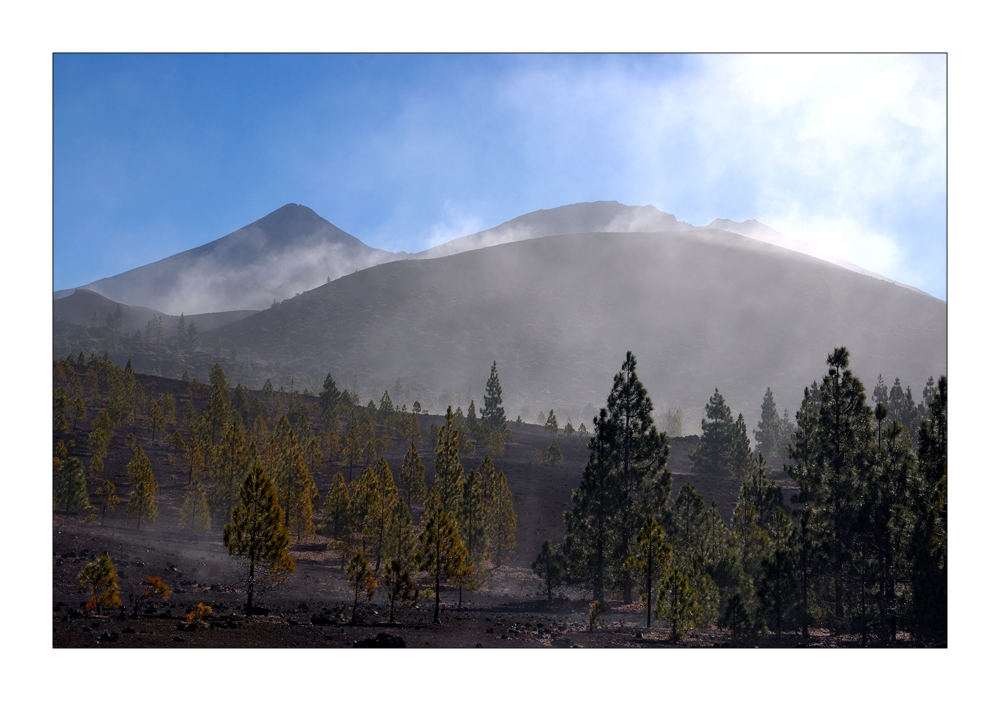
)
(293, 249)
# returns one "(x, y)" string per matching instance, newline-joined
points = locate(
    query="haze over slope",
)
(613, 216)
(700, 308)
(80, 306)
(290, 250)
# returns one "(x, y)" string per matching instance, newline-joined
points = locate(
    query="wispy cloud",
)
(839, 151)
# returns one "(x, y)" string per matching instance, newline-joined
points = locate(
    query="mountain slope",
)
(700, 308)
(80, 306)
(290, 250)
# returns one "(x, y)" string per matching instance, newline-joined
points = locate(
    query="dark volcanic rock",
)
(382, 640)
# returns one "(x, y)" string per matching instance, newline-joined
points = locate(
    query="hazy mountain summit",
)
(612, 216)
(585, 217)
(289, 251)
(293, 249)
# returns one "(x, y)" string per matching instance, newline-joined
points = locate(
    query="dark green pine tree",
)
(412, 478)
(880, 395)
(551, 423)
(493, 413)
(711, 455)
(833, 448)
(741, 462)
(903, 409)
(329, 396)
(776, 590)
(549, 566)
(472, 522)
(768, 435)
(640, 453)
(240, 407)
(929, 545)
(217, 411)
(590, 523)
(471, 422)
(71, 486)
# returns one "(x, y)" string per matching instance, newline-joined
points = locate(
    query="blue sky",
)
(155, 154)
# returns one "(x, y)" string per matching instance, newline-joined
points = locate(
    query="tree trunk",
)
(437, 598)
(250, 579)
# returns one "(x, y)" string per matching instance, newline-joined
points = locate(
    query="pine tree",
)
(379, 511)
(400, 588)
(650, 559)
(551, 423)
(677, 602)
(141, 504)
(501, 522)
(769, 434)
(256, 534)
(109, 500)
(296, 484)
(100, 579)
(549, 566)
(232, 461)
(740, 460)
(472, 524)
(448, 472)
(60, 402)
(493, 413)
(711, 455)
(217, 410)
(590, 532)
(929, 544)
(71, 486)
(401, 542)
(336, 509)
(155, 420)
(351, 448)
(78, 410)
(568, 428)
(240, 406)
(833, 446)
(673, 424)
(362, 581)
(553, 454)
(194, 514)
(441, 552)
(639, 453)
(413, 484)
(329, 398)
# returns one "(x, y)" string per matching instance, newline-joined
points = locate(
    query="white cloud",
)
(836, 150)
(456, 223)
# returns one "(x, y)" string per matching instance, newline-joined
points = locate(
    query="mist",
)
(701, 309)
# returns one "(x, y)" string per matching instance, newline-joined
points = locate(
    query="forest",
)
(837, 534)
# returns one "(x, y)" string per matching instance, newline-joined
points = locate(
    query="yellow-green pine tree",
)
(256, 534)
(109, 500)
(413, 484)
(441, 552)
(448, 473)
(362, 581)
(100, 579)
(194, 511)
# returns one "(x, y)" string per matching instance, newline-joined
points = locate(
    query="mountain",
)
(290, 250)
(80, 306)
(701, 308)
(570, 219)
